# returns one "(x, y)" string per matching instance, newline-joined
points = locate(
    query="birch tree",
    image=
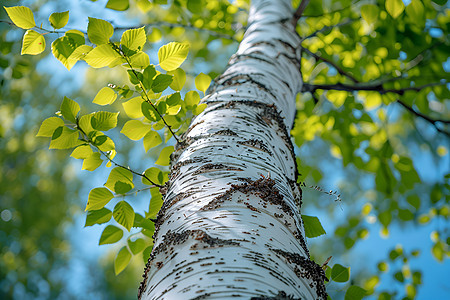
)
(230, 224)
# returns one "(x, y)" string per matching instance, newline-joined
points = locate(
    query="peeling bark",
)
(230, 224)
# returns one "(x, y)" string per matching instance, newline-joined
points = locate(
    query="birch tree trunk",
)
(230, 225)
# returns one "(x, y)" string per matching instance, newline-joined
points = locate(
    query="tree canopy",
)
(372, 125)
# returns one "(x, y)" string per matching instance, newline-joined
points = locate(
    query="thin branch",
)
(379, 88)
(298, 13)
(333, 11)
(325, 28)
(425, 117)
(366, 87)
(331, 63)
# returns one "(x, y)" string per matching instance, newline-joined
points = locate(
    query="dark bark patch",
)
(255, 143)
(214, 167)
(306, 268)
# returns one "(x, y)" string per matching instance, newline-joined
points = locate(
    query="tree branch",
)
(331, 63)
(380, 89)
(298, 13)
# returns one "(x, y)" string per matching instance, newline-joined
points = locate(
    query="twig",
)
(379, 88)
(326, 28)
(339, 69)
(298, 13)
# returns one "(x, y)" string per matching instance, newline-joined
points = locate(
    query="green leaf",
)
(21, 16)
(137, 246)
(139, 60)
(104, 143)
(394, 7)
(161, 82)
(155, 203)
(173, 99)
(105, 96)
(99, 216)
(82, 152)
(110, 235)
(172, 55)
(59, 20)
(195, 6)
(312, 226)
(85, 123)
(354, 293)
(119, 5)
(49, 126)
(140, 221)
(155, 175)
(415, 11)
(124, 214)
(133, 40)
(199, 108)
(122, 260)
(151, 139)
(340, 273)
(370, 13)
(119, 174)
(99, 31)
(148, 75)
(98, 198)
(62, 49)
(92, 162)
(69, 109)
(149, 111)
(164, 156)
(104, 120)
(33, 43)
(146, 253)
(202, 82)
(179, 78)
(102, 56)
(64, 138)
(438, 251)
(135, 76)
(135, 129)
(133, 107)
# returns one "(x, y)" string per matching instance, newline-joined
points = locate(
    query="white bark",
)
(230, 225)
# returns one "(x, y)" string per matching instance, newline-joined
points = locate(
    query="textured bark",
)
(230, 225)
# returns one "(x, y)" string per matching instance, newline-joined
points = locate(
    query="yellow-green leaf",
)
(98, 198)
(82, 152)
(370, 13)
(155, 203)
(85, 123)
(99, 31)
(136, 246)
(119, 174)
(105, 96)
(354, 292)
(21, 16)
(135, 129)
(133, 107)
(110, 235)
(140, 60)
(104, 120)
(172, 55)
(33, 43)
(415, 11)
(92, 162)
(151, 139)
(202, 82)
(102, 56)
(191, 99)
(179, 78)
(64, 138)
(153, 174)
(69, 109)
(133, 39)
(59, 20)
(164, 156)
(124, 214)
(49, 126)
(394, 7)
(99, 216)
(122, 260)
(119, 5)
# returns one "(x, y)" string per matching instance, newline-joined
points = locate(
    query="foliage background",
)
(389, 165)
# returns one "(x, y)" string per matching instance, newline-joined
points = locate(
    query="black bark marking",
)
(306, 268)
(173, 238)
